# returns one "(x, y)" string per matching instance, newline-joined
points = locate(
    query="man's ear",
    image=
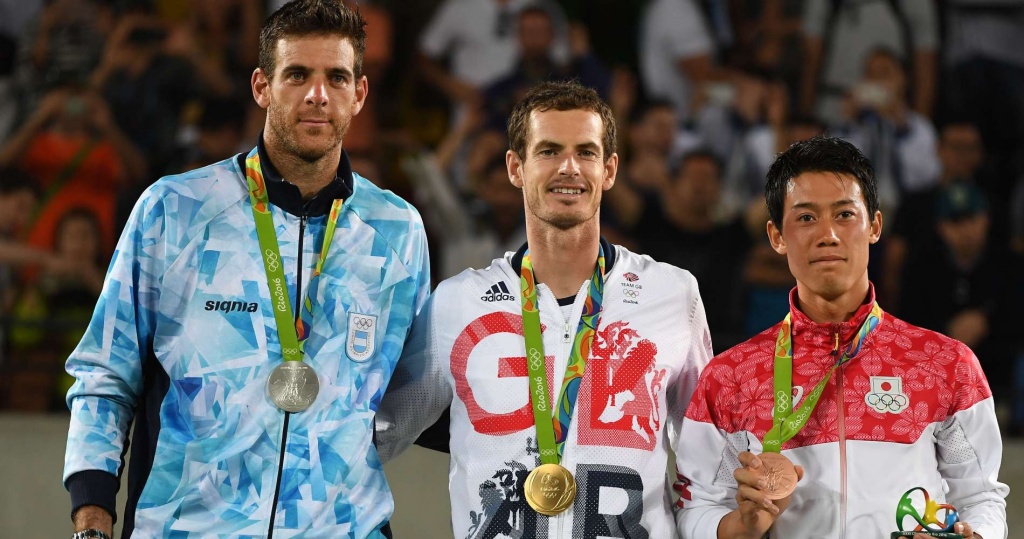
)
(611, 168)
(776, 239)
(515, 168)
(260, 88)
(876, 227)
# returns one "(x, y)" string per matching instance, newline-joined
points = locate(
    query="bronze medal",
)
(550, 489)
(293, 386)
(779, 475)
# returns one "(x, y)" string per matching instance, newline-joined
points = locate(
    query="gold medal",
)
(550, 489)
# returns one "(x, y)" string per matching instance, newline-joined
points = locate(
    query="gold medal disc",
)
(550, 489)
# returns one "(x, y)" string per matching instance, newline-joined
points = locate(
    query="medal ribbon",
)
(787, 421)
(552, 431)
(292, 332)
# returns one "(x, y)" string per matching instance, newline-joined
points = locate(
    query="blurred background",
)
(99, 98)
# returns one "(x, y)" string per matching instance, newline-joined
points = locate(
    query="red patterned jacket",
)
(912, 409)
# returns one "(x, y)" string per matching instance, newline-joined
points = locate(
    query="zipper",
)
(287, 415)
(565, 333)
(841, 410)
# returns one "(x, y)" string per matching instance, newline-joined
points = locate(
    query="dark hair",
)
(818, 154)
(699, 153)
(561, 96)
(311, 17)
(14, 180)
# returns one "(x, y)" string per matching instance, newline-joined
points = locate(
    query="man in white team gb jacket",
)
(568, 364)
(864, 406)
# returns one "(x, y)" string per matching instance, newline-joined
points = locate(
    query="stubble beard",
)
(560, 221)
(285, 132)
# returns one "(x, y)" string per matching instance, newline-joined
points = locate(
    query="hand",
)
(969, 326)
(962, 528)
(757, 512)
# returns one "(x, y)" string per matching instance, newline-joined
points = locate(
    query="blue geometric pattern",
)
(191, 243)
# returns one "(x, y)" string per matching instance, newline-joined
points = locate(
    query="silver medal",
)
(293, 386)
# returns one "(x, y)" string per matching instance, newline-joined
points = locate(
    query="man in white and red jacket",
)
(467, 349)
(909, 408)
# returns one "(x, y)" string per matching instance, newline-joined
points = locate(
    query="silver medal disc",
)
(293, 386)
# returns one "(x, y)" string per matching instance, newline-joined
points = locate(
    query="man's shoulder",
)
(907, 336)
(389, 214)
(496, 283)
(213, 179)
(661, 272)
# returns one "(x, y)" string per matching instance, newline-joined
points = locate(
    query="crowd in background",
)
(99, 98)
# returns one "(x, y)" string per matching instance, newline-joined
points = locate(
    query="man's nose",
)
(317, 94)
(569, 167)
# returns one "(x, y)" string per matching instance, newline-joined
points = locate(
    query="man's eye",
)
(295, 75)
(805, 217)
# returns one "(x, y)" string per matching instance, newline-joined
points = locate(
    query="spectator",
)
(961, 156)
(839, 36)
(676, 53)
(362, 139)
(963, 287)
(900, 142)
(984, 55)
(479, 38)
(218, 135)
(147, 75)
(79, 157)
(66, 43)
(536, 63)
(679, 228)
(644, 172)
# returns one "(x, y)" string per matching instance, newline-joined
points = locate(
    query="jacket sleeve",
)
(107, 363)
(699, 446)
(970, 450)
(706, 455)
(418, 392)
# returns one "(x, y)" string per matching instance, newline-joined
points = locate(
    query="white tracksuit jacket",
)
(466, 348)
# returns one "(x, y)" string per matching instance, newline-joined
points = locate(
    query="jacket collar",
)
(609, 257)
(822, 336)
(287, 196)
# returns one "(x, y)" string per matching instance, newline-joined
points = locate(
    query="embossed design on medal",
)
(550, 489)
(293, 386)
(779, 475)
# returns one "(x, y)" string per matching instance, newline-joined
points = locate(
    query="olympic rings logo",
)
(547, 452)
(630, 293)
(885, 401)
(536, 359)
(289, 351)
(362, 323)
(783, 401)
(273, 262)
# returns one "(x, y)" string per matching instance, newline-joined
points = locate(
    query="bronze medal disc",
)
(293, 386)
(779, 475)
(550, 489)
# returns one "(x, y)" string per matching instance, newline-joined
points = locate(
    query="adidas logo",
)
(497, 292)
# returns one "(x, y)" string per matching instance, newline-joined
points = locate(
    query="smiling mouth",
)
(567, 191)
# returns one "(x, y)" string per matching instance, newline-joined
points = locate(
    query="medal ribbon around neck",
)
(786, 422)
(291, 331)
(552, 431)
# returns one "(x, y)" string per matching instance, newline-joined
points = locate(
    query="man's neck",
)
(564, 259)
(309, 177)
(832, 310)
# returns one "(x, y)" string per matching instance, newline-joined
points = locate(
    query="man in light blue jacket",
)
(250, 319)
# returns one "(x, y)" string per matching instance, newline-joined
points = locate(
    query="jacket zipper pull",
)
(835, 348)
(565, 335)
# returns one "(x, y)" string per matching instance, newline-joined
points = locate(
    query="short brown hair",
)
(311, 17)
(561, 96)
